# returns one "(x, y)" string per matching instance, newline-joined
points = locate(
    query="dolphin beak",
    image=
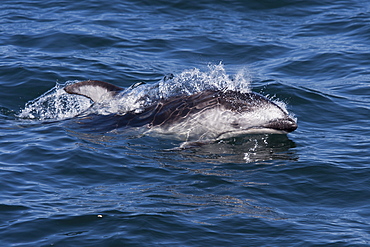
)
(286, 125)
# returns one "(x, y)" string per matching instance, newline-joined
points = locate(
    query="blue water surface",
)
(61, 186)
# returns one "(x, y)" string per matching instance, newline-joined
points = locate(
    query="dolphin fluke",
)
(97, 91)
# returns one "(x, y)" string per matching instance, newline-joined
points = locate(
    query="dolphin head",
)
(251, 113)
(254, 113)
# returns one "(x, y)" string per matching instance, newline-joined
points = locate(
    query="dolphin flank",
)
(206, 115)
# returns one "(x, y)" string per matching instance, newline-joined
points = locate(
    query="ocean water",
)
(64, 186)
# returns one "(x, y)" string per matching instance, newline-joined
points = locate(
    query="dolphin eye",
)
(235, 125)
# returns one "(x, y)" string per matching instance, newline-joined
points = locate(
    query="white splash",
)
(56, 104)
(193, 81)
(188, 82)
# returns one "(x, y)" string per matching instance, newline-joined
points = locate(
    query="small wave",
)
(56, 104)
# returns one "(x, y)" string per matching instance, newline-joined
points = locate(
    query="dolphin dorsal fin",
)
(97, 91)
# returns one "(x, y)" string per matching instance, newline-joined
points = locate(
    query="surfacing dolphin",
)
(206, 115)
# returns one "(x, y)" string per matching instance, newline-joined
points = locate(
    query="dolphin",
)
(206, 115)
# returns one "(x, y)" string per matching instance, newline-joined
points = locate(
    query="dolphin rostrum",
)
(206, 115)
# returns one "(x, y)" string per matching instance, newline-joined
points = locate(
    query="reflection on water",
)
(243, 149)
(229, 165)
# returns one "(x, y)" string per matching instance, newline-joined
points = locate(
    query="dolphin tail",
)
(97, 91)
